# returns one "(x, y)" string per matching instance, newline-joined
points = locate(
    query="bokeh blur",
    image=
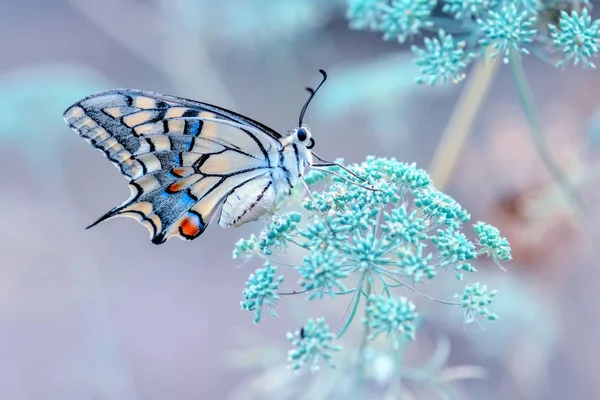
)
(104, 314)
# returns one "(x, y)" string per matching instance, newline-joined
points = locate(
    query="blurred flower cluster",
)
(375, 244)
(459, 31)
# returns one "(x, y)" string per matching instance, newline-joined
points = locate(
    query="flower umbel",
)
(392, 317)
(458, 31)
(475, 300)
(404, 18)
(246, 248)
(443, 59)
(365, 14)
(369, 244)
(492, 244)
(313, 343)
(467, 8)
(577, 37)
(508, 29)
(261, 290)
(279, 232)
(321, 274)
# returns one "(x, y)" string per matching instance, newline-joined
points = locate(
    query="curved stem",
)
(537, 134)
(455, 135)
(451, 303)
(363, 367)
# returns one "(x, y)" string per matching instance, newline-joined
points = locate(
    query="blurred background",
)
(104, 314)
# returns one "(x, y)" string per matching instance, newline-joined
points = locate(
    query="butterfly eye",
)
(311, 144)
(302, 134)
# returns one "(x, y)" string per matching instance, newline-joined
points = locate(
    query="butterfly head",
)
(303, 137)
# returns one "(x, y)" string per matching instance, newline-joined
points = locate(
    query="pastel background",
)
(104, 314)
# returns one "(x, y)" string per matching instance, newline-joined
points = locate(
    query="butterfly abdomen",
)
(248, 202)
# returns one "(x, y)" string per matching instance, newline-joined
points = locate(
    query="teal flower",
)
(404, 18)
(391, 317)
(475, 300)
(321, 274)
(365, 14)
(508, 29)
(279, 232)
(492, 244)
(312, 343)
(415, 264)
(453, 246)
(441, 208)
(364, 252)
(261, 290)
(443, 59)
(577, 37)
(369, 245)
(399, 225)
(467, 8)
(246, 248)
(398, 173)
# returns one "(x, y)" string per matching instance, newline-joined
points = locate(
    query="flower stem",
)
(455, 135)
(363, 366)
(537, 134)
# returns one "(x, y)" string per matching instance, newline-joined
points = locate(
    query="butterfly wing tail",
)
(112, 213)
(164, 215)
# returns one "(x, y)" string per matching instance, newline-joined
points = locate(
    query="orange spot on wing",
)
(177, 186)
(180, 172)
(190, 226)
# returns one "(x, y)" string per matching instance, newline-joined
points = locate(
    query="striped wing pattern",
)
(181, 162)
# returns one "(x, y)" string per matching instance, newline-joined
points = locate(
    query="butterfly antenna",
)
(312, 94)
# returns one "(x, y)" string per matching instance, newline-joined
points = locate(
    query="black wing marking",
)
(181, 157)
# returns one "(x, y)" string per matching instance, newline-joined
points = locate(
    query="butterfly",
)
(189, 162)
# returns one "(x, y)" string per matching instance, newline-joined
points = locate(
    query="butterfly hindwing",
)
(183, 158)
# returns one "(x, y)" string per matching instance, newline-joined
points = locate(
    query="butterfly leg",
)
(317, 167)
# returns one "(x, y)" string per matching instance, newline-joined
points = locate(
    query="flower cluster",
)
(261, 290)
(577, 37)
(392, 317)
(481, 28)
(508, 29)
(312, 343)
(443, 59)
(491, 243)
(475, 300)
(372, 245)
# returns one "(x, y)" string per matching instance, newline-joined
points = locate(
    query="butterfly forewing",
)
(184, 159)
